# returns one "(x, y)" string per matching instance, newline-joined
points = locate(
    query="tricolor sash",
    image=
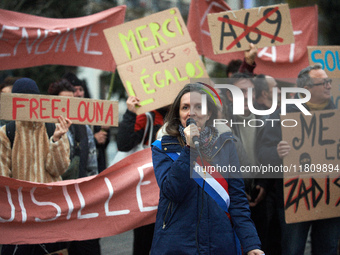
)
(214, 184)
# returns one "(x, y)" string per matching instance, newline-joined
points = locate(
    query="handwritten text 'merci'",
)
(43, 41)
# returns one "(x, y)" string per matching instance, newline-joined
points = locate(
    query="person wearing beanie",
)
(48, 162)
(79, 86)
(25, 86)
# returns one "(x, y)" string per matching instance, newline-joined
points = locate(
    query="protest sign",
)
(155, 57)
(44, 108)
(335, 91)
(265, 26)
(312, 184)
(27, 40)
(284, 61)
(122, 197)
(327, 57)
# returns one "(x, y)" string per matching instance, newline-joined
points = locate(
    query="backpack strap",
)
(10, 130)
(50, 128)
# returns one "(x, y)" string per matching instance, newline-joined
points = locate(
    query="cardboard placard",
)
(328, 57)
(264, 26)
(336, 92)
(155, 57)
(312, 184)
(42, 108)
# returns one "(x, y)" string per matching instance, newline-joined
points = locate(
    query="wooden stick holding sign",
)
(156, 58)
(264, 26)
(42, 108)
(312, 179)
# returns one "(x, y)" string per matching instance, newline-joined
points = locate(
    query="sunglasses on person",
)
(324, 83)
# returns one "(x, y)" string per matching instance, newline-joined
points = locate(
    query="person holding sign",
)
(83, 160)
(325, 232)
(101, 133)
(28, 152)
(130, 134)
(189, 220)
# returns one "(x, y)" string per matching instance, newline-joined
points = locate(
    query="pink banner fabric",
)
(284, 61)
(27, 40)
(121, 198)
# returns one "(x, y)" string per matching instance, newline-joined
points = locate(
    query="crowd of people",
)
(189, 220)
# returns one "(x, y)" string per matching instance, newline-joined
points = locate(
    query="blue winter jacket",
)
(181, 200)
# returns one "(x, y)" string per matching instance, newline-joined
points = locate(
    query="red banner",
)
(121, 198)
(284, 61)
(27, 40)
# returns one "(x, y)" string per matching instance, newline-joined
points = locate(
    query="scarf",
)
(206, 140)
(317, 107)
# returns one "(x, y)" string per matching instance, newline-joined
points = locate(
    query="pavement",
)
(122, 244)
(117, 245)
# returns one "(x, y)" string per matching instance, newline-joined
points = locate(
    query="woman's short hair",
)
(62, 85)
(172, 118)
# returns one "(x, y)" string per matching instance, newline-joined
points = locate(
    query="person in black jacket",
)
(325, 233)
(130, 134)
(101, 133)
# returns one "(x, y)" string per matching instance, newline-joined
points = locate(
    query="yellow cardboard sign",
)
(156, 57)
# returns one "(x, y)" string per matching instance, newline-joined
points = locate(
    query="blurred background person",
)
(130, 134)
(83, 161)
(101, 133)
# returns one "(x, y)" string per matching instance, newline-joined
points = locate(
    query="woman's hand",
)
(255, 252)
(191, 131)
(61, 128)
(132, 103)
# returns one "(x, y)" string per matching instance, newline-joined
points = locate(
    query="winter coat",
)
(131, 129)
(34, 157)
(182, 205)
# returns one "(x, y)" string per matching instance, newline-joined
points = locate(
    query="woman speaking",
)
(197, 215)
